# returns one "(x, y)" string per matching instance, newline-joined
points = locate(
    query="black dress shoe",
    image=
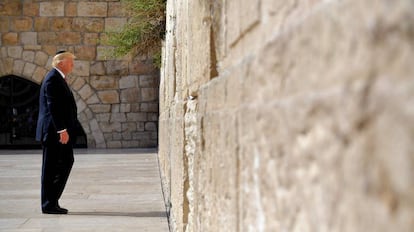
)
(63, 209)
(55, 210)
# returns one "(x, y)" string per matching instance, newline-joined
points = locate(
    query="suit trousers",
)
(57, 163)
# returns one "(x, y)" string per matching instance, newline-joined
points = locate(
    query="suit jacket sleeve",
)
(54, 100)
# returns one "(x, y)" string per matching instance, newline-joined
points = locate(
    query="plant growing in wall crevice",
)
(143, 33)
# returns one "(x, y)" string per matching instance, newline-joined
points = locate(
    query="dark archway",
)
(19, 103)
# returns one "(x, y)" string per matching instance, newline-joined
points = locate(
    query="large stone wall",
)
(283, 115)
(117, 98)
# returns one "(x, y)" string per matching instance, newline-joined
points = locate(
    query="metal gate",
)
(18, 112)
(19, 107)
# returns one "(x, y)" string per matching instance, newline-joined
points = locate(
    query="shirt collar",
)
(61, 73)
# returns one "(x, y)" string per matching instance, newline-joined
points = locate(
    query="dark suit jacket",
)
(57, 108)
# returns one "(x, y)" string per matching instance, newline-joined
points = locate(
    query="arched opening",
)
(19, 104)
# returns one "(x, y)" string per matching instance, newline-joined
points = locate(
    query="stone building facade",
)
(117, 98)
(283, 115)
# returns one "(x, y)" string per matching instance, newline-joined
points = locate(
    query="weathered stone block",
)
(126, 136)
(140, 126)
(215, 96)
(149, 94)
(10, 38)
(97, 68)
(15, 52)
(90, 38)
(92, 9)
(18, 66)
(125, 108)
(110, 126)
(117, 136)
(41, 24)
(153, 137)
(103, 82)
(114, 24)
(32, 47)
(100, 108)
(233, 31)
(149, 107)
(87, 118)
(11, 8)
(304, 129)
(95, 25)
(28, 70)
(52, 9)
(116, 67)
(128, 82)
(85, 52)
(132, 143)
(94, 125)
(249, 14)
(141, 136)
(103, 117)
(81, 68)
(3, 52)
(41, 58)
(50, 50)
(47, 38)
(28, 56)
(104, 39)
(148, 81)
(85, 92)
(103, 52)
(129, 126)
(108, 96)
(71, 9)
(81, 105)
(30, 9)
(115, 144)
(152, 117)
(135, 107)
(60, 24)
(233, 91)
(39, 74)
(141, 67)
(115, 108)
(28, 38)
(130, 95)
(21, 24)
(93, 99)
(108, 136)
(4, 24)
(137, 117)
(150, 126)
(6, 66)
(148, 143)
(118, 117)
(68, 38)
(116, 9)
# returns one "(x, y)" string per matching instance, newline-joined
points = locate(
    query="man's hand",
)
(64, 137)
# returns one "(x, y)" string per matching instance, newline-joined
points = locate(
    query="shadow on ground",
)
(122, 214)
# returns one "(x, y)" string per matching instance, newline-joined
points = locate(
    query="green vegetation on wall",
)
(144, 32)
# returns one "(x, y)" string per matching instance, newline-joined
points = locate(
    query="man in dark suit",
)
(55, 129)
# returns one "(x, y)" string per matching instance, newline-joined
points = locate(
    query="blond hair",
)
(60, 57)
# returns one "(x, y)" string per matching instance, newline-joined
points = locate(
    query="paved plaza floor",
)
(108, 191)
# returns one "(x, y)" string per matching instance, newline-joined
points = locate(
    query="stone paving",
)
(108, 190)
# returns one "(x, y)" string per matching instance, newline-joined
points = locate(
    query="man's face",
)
(67, 65)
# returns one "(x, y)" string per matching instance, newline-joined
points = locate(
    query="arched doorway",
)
(19, 103)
